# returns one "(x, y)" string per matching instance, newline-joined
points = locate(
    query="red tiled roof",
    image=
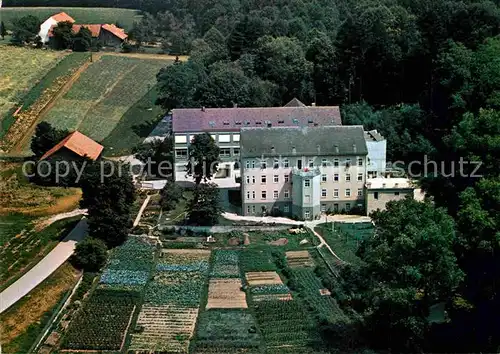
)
(94, 29)
(80, 144)
(233, 119)
(62, 17)
(117, 31)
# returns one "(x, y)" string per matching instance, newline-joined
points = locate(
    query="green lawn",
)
(345, 238)
(108, 100)
(124, 17)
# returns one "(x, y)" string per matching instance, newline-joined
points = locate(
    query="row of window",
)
(307, 213)
(286, 194)
(307, 182)
(223, 152)
(221, 138)
(285, 163)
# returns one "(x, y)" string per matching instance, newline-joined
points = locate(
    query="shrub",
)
(90, 255)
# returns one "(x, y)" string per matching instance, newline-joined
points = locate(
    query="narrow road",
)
(44, 268)
(139, 214)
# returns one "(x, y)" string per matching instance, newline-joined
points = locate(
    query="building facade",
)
(302, 171)
(225, 124)
(380, 191)
(377, 148)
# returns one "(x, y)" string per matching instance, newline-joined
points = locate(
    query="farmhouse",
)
(51, 22)
(75, 145)
(108, 35)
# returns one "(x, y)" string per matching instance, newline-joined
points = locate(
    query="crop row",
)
(225, 264)
(102, 323)
(270, 289)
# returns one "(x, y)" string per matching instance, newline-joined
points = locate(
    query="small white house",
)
(53, 21)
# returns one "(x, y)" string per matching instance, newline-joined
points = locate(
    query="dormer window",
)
(225, 122)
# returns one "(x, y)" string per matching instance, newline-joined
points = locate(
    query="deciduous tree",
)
(90, 255)
(45, 138)
(204, 207)
(203, 158)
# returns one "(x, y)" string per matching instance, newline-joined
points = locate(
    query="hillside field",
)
(112, 102)
(124, 17)
(21, 69)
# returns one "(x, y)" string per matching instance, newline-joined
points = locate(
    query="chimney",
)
(294, 151)
(336, 149)
(235, 105)
(318, 148)
(273, 150)
(354, 148)
(203, 109)
(313, 104)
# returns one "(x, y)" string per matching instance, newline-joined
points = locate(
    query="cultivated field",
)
(225, 264)
(103, 94)
(124, 17)
(21, 69)
(226, 294)
(299, 259)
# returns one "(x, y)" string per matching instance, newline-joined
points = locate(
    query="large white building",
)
(53, 21)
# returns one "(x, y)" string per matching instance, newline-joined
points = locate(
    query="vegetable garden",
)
(225, 264)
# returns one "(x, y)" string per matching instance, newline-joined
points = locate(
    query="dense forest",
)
(426, 74)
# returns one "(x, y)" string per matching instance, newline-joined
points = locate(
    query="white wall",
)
(44, 29)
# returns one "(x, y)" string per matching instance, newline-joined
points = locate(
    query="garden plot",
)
(226, 331)
(108, 88)
(286, 325)
(165, 328)
(226, 293)
(179, 278)
(263, 278)
(316, 296)
(103, 322)
(299, 259)
(256, 260)
(225, 264)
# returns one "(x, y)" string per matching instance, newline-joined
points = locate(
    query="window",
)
(224, 152)
(307, 199)
(307, 214)
(323, 193)
(180, 139)
(276, 163)
(336, 177)
(285, 208)
(287, 178)
(323, 178)
(348, 207)
(375, 195)
(247, 163)
(263, 179)
(253, 179)
(236, 137)
(336, 163)
(348, 177)
(287, 193)
(276, 179)
(253, 195)
(360, 192)
(311, 163)
(323, 162)
(248, 179)
(286, 163)
(360, 177)
(307, 183)
(360, 161)
(335, 208)
(275, 194)
(224, 138)
(182, 153)
(248, 208)
(323, 208)
(248, 195)
(347, 192)
(263, 164)
(236, 151)
(396, 193)
(348, 162)
(263, 195)
(335, 193)
(299, 164)
(253, 209)
(253, 163)
(214, 137)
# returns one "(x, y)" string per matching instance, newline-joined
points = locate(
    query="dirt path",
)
(49, 221)
(21, 143)
(149, 56)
